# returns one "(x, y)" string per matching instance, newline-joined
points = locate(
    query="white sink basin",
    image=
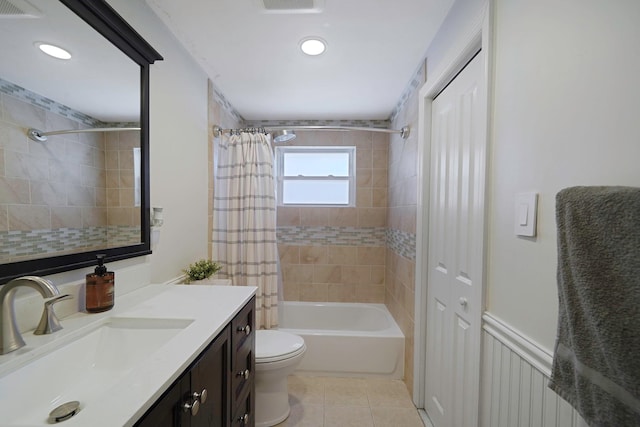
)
(83, 369)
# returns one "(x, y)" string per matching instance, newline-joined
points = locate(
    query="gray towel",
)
(596, 365)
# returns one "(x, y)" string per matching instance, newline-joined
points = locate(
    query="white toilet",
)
(277, 356)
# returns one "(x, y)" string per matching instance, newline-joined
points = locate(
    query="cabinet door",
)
(210, 374)
(166, 412)
(243, 325)
(244, 415)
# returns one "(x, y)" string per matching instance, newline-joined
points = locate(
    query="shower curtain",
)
(244, 216)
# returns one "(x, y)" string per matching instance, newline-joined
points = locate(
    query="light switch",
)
(526, 208)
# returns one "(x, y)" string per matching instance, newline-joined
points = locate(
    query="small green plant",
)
(201, 269)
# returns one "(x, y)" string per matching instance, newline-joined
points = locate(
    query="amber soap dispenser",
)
(100, 288)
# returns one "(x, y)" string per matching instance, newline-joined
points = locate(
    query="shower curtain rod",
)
(404, 132)
(39, 136)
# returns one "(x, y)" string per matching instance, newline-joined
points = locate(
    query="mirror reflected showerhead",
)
(283, 135)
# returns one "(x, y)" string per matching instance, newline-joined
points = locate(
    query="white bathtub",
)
(345, 339)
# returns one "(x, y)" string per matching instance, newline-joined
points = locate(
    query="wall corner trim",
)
(519, 343)
(176, 280)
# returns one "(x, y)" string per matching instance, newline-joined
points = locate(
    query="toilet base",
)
(272, 402)
(275, 361)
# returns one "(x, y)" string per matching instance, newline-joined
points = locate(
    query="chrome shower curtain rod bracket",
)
(404, 132)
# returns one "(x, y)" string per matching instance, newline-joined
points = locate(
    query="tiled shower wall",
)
(73, 193)
(327, 254)
(123, 213)
(338, 253)
(401, 248)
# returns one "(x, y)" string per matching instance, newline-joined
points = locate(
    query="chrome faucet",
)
(10, 337)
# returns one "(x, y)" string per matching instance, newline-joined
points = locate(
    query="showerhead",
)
(283, 135)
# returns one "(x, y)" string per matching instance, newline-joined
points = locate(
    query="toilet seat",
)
(275, 346)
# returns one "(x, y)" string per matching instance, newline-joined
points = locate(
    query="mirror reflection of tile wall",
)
(72, 193)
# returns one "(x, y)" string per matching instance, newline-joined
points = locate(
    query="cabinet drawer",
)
(243, 416)
(243, 371)
(242, 326)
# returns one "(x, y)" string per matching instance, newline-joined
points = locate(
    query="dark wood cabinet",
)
(217, 389)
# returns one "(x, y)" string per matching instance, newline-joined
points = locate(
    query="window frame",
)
(280, 178)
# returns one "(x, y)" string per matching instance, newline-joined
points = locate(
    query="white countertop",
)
(210, 307)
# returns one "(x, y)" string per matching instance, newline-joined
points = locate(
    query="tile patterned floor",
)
(349, 402)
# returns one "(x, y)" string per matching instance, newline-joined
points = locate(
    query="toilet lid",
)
(273, 345)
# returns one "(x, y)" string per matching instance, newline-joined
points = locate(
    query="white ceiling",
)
(253, 57)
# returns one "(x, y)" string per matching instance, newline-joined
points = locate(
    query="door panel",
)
(438, 376)
(440, 267)
(456, 239)
(460, 376)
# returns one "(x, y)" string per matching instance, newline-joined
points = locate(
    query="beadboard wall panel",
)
(515, 374)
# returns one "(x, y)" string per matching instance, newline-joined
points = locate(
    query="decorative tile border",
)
(52, 106)
(123, 235)
(225, 104)
(27, 244)
(334, 236)
(402, 243)
(419, 77)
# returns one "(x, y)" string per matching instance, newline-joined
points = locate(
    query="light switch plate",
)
(526, 209)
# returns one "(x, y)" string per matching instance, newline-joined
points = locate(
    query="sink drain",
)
(64, 411)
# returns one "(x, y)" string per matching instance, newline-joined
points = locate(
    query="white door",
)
(455, 260)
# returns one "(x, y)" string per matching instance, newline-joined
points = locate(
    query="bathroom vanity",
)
(146, 362)
(218, 388)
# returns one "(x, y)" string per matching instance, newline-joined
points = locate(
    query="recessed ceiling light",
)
(55, 51)
(313, 46)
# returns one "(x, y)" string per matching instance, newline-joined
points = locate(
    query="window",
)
(316, 175)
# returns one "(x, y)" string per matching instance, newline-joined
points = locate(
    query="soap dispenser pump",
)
(100, 288)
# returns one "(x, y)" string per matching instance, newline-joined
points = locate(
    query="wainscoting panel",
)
(514, 389)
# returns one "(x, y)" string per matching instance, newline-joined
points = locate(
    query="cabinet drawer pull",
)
(244, 374)
(246, 329)
(202, 396)
(194, 407)
(244, 419)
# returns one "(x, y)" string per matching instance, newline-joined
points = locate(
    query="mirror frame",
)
(106, 21)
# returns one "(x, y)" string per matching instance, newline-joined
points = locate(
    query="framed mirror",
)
(74, 137)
